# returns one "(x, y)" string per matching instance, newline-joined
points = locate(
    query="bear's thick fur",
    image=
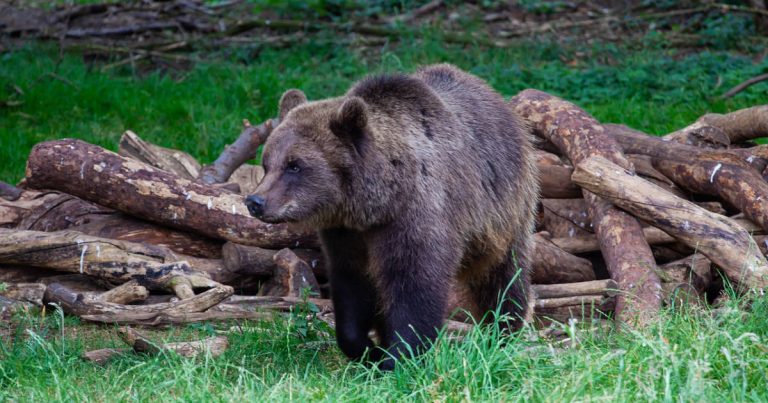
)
(419, 185)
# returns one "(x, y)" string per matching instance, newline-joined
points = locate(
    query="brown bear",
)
(418, 185)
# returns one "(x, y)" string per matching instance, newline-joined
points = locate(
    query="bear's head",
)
(307, 159)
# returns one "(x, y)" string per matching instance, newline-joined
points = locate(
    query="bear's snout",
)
(255, 205)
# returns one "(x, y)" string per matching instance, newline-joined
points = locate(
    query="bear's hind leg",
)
(504, 287)
(352, 292)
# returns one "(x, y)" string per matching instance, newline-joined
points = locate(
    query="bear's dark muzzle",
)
(255, 205)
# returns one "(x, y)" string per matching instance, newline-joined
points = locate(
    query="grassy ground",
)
(688, 356)
(200, 111)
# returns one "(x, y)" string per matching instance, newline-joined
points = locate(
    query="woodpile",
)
(148, 236)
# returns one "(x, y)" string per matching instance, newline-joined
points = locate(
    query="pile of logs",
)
(628, 223)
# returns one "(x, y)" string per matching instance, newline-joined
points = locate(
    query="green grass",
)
(201, 110)
(688, 356)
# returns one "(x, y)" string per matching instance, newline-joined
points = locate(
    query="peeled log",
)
(597, 287)
(719, 238)
(553, 265)
(589, 243)
(627, 255)
(98, 175)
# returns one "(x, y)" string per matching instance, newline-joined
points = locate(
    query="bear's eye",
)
(293, 167)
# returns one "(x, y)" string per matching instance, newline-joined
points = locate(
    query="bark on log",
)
(291, 277)
(243, 180)
(565, 217)
(700, 135)
(742, 125)
(253, 261)
(114, 261)
(555, 182)
(77, 304)
(174, 161)
(694, 270)
(243, 149)
(215, 345)
(717, 237)
(95, 174)
(55, 211)
(735, 183)
(628, 257)
(125, 293)
(553, 265)
(25, 292)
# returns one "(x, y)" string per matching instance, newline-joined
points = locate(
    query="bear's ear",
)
(290, 99)
(350, 120)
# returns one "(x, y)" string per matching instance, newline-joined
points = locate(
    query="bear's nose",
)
(255, 205)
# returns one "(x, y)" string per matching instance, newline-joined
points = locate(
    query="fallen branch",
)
(111, 260)
(215, 345)
(95, 174)
(77, 304)
(627, 255)
(744, 85)
(717, 237)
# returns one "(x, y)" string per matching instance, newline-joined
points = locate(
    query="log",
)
(55, 211)
(77, 304)
(607, 288)
(725, 173)
(636, 142)
(555, 182)
(694, 271)
(741, 125)
(243, 180)
(9, 192)
(125, 293)
(174, 161)
(717, 237)
(589, 243)
(700, 134)
(251, 308)
(577, 300)
(243, 149)
(254, 261)
(553, 265)
(731, 180)
(104, 355)
(215, 345)
(565, 217)
(107, 259)
(25, 292)
(98, 175)
(292, 277)
(627, 255)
